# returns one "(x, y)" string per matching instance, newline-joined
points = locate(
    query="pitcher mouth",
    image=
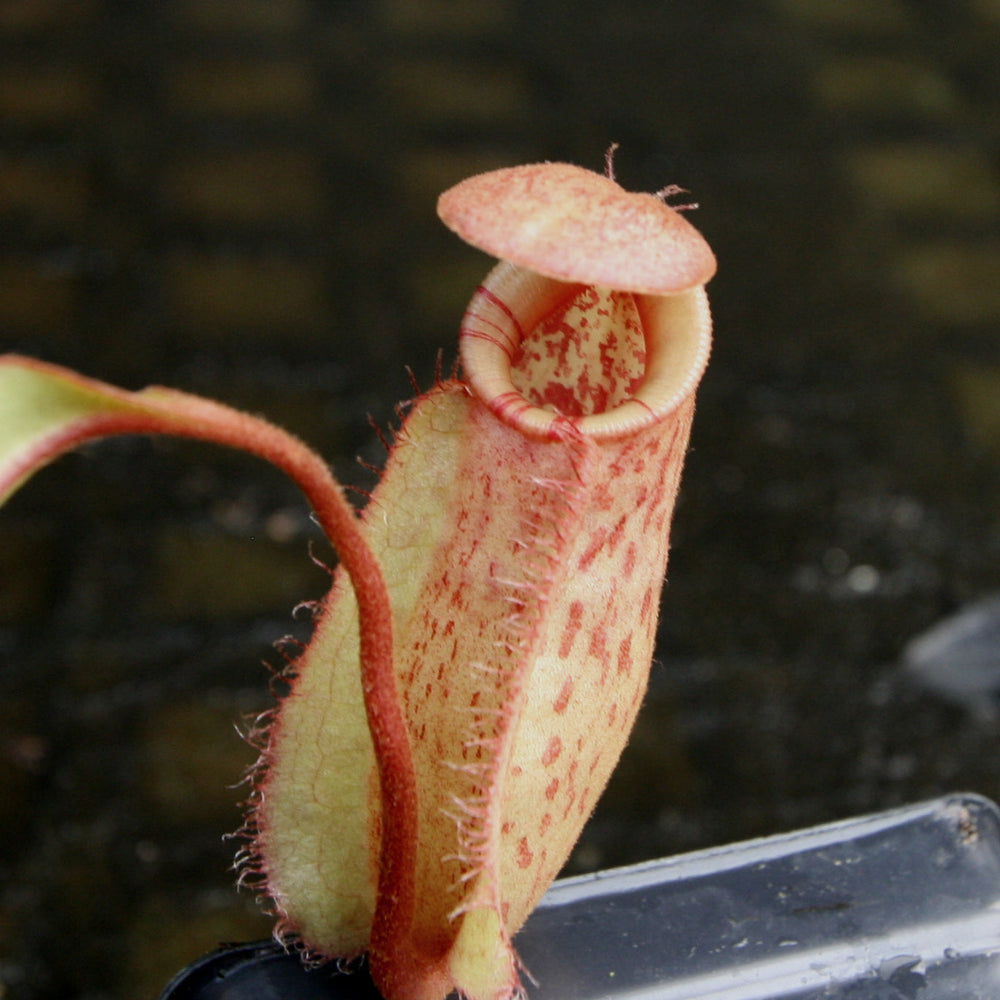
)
(513, 300)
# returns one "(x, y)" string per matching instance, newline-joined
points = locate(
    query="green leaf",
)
(43, 412)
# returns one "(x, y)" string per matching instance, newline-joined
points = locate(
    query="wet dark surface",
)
(239, 200)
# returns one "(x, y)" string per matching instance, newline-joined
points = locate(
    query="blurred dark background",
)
(236, 197)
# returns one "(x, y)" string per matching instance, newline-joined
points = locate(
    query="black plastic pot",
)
(265, 971)
(903, 905)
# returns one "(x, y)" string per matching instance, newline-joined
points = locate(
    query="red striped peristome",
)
(667, 330)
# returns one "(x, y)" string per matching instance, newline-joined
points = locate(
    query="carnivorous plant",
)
(477, 666)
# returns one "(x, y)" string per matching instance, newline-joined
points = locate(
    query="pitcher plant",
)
(477, 666)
